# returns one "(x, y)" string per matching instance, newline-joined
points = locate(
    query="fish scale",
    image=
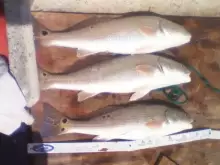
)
(125, 35)
(128, 74)
(132, 121)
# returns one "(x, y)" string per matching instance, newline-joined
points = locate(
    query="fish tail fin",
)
(55, 123)
(43, 33)
(44, 37)
(43, 79)
(51, 121)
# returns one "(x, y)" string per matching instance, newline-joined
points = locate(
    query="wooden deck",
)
(203, 105)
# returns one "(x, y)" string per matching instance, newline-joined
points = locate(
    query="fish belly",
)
(112, 131)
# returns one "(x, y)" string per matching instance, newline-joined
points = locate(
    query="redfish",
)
(125, 35)
(127, 74)
(131, 121)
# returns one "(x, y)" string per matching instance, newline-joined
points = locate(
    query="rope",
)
(173, 93)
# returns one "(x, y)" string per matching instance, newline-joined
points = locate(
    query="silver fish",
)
(128, 74)
(132, 121)
(126, 35)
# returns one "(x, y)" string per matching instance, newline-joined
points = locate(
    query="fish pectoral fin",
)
(153, 124)
(84, 53)
(102, 138)
(145, 69)
(85, 95)
(139, 94)
(147, 30)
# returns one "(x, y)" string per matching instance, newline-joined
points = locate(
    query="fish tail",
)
(55, 123)
(45, 42)
(44, 79)
(51, 125)
(44, 33)
(45, 37)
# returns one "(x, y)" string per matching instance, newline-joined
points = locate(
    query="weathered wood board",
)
(203, 52)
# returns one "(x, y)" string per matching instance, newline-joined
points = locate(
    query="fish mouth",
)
(188, 78)
(188, 122)
(187, 71)
(185, 68)
(189, 125)
(185, 120)
(183, 71)
(175, 31)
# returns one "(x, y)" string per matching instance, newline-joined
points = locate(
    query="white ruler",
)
(116, 146)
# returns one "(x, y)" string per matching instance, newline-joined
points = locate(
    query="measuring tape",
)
(116, 146)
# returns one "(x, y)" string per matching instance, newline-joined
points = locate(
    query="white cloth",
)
(12, 103)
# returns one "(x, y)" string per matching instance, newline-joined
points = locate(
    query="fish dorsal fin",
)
(83, 53)
(145, 69)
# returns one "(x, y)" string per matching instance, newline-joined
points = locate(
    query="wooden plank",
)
(203, 52)
(166, 161)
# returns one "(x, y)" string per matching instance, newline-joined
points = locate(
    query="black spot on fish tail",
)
(44, 32)
(64, 120)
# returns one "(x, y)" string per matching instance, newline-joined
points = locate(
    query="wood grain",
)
(203, 52)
